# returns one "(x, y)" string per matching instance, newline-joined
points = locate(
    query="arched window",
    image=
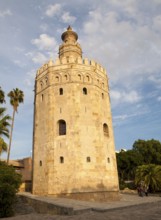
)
(88, 159)
(61, 159)
(85, 91)
(105, 130)
(87, 78)
(79, 76)
(108, 160)
(61, 91)
(57, 79)
(62, 127)
(40, 163)
(46, 80)
(102, 95)
(42, 97)
(66, 77)
(41, 84)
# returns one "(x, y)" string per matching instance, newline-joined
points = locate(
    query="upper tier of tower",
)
(70, 46)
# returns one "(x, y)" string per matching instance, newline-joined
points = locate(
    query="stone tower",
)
(73, 143)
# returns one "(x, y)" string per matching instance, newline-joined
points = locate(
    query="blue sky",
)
(123, 36)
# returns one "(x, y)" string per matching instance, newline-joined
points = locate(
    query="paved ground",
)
(131, 207)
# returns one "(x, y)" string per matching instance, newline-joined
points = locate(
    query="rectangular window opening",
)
(61, 159)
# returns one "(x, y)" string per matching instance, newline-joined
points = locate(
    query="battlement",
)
(71, 60)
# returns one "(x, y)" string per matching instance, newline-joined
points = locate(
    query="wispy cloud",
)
(156, 79)
(37, 57)
(159, 98)
(126, 116)
(124, 97)
(130, 40)
(5, 13)
(30, 76)
(53, 10)
(67, 18)
(19, 63)
(58, 11)
(44, 42)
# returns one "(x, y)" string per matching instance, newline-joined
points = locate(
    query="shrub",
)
(9, 185)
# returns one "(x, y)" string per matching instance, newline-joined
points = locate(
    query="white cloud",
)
(44, 42)
(37, 57)
(44, 27)
(30, 76)
(67, 18)
(155, 79)
(63, 15)
(118, 97)
(157, 22)
(5, 13)
(159, 99)
(126, 45)
(19, 63)
(53, 10)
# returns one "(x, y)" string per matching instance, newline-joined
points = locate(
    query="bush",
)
(9, 185)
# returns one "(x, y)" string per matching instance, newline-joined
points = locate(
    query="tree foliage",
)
(3, 146)
(2, 96)
(142, 153)
(9, 185)
(150, 151)
(4, 123)
(127, 161)
(16, 97)
(150, 175)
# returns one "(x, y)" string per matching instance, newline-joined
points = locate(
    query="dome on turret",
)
(70, 46)
(69, 35)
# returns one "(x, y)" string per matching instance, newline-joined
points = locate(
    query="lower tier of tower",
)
(100, 196)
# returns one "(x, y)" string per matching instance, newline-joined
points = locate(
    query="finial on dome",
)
(69, 28)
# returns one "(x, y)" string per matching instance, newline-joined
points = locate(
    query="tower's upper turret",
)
(70, 46)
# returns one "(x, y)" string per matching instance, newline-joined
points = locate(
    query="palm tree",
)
(149, 175)
(4, 124)
(16, 97)
(2, 96)
(3, 146)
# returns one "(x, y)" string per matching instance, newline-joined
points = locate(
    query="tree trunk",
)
(10, 140)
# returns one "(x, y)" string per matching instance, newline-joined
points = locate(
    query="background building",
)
(73, 145)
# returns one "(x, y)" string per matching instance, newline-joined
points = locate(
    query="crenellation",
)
(79, 60)
(50, 63)
(86, 61)
(92, 63)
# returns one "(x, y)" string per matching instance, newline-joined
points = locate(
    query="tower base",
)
(103, 196)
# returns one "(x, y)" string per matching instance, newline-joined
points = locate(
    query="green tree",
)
(150, 175)
(16, 97)
(150, 151)
(2, 96)
(9, 184)
(3, 146)
(127, 162)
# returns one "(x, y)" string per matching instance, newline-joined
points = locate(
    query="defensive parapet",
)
(71, 60)
(76, 70)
